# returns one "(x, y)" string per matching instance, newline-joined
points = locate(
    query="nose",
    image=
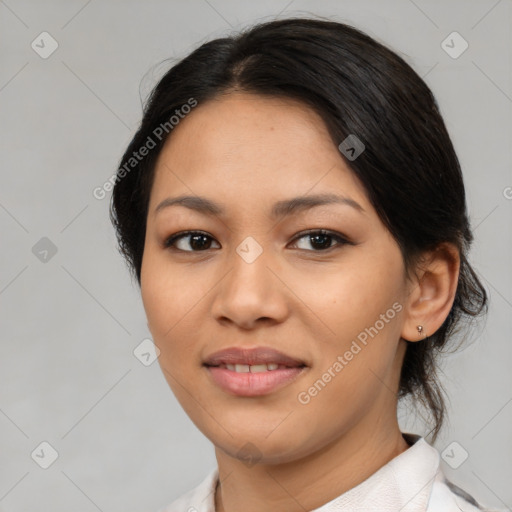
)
(252, 292)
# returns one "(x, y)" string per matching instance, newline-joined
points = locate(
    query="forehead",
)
(244, 146)
(243, 121)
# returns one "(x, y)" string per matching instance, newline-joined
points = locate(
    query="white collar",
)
(404, 484)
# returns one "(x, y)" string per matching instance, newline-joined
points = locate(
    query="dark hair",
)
(409, 167)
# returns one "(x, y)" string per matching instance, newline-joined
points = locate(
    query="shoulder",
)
(421, 465)
(445, 496)
(199, 499)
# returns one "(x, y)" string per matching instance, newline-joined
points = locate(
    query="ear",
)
(432, 292)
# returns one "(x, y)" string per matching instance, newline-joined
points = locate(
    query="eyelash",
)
(342, 240)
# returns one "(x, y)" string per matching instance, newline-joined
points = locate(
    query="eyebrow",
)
(282, 208)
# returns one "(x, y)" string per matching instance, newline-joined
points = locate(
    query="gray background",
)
(69, 324)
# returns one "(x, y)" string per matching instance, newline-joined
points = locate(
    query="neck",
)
(311, 481)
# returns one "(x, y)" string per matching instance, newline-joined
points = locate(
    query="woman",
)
(294, 212)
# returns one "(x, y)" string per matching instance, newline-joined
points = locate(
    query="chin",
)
(249, 443)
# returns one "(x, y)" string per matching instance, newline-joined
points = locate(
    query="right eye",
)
(198, 240)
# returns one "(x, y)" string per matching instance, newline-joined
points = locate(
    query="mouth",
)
(253, 372)
(254, 368)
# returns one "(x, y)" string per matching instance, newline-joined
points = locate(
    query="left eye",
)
(320, 240)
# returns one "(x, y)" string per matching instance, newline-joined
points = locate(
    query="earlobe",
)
(433, 294)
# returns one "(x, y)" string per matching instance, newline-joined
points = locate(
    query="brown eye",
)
(197, 240)
(321, 240)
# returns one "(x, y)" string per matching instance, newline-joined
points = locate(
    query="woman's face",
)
(253, 279)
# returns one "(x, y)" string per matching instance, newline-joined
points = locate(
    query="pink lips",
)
(258, 355)
(248, 383)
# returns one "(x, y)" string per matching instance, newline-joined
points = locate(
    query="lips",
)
(252, 357)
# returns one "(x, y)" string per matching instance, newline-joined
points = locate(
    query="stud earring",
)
(420, 331)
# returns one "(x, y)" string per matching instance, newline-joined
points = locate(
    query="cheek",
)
(360, 310)
(351, 297)
(162, 295)
(172, 300)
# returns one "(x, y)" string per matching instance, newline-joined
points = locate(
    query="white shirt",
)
(411, 482)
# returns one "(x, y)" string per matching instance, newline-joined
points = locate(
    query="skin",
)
(246, 152)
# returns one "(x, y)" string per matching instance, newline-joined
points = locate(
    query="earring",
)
(420, 330)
